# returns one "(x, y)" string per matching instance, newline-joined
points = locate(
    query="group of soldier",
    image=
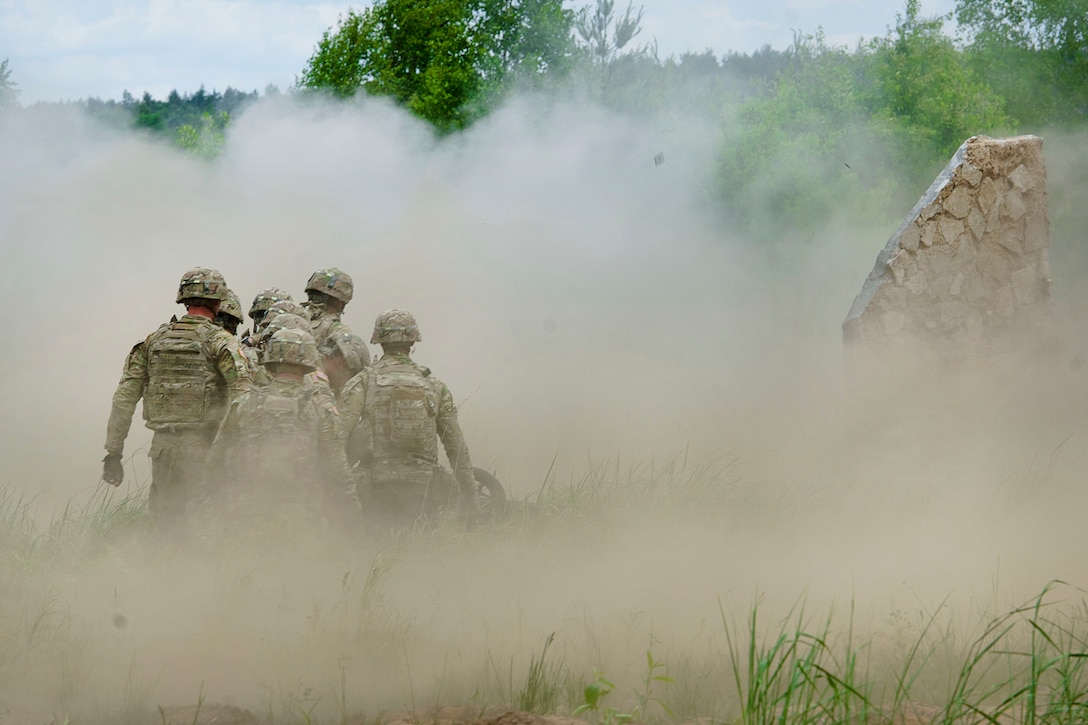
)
(291, 425)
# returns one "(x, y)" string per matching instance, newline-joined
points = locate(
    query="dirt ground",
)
(911, 714)
(229, 715)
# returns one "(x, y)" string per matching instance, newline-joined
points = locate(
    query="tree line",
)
(869, 124)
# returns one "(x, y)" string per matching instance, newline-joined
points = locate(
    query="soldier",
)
(279, 453)
(230, 314)
(344, 355)
(395, 412)
(273, 324)
(261, 303)
(285, 306)
(328, 291)
(186, 372)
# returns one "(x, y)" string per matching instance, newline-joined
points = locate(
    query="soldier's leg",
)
(391, 502)
(177, 470)
(440, 495)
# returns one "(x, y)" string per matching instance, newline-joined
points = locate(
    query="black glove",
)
(112, 470)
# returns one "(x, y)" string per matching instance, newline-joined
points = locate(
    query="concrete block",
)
(910, 238)
(976, 222)
(1025, 284)
(1036, 233)
(1014, 205)
(987, 195)
(950, 228)
(959, 202)
(968, 262)
(1022, 179)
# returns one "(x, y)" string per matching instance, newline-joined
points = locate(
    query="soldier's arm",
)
(351, 405)
(232, 365)
(453, 440)
(336, 474)
(128, 394)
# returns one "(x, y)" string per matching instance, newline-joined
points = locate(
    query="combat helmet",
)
(294, 347)
(333, 282)
(350, 346)
(265, 299)
(232, 307)
(395, 326)
(202, 283)
(283, 321)
(289, 307)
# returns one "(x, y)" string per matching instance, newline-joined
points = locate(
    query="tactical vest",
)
(184, 386)
(403, 407)
(279, 433)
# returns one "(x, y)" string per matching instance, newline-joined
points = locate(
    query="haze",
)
(585, 309)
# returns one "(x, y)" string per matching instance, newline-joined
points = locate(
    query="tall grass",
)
(814, 664)
(1027, 665)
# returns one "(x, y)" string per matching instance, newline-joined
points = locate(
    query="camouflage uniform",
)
(395, 412)
(279, 457)
(230, 314)
(281, 320)
(337, 284)
(285, 307)
(259, 309)
(344, 355)
(186, 373)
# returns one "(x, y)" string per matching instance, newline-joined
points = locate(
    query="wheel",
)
(490, 492)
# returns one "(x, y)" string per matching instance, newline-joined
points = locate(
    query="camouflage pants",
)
(402, 498)
(177, 471)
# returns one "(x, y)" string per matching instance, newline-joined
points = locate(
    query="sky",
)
(64, 50)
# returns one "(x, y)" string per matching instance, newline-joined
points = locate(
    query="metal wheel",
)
(490, 492)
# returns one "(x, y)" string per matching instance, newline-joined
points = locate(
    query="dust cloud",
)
(595, 322)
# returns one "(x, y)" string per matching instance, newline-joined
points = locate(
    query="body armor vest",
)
(280, 443)
(184, 386)
(403, 407)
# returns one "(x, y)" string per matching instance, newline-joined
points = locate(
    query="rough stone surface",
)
(960, 202)
(966, 271)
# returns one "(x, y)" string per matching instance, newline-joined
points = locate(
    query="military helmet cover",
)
(285, 307)
(284, 321)
(202, 283)
(333, 282)
(350, 346)
(232, 306)
(395, 326)
(295, 347)
(266, 298)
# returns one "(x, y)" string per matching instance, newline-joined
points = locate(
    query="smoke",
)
(589, 315)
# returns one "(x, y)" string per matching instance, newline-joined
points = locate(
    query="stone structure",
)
(966, 273)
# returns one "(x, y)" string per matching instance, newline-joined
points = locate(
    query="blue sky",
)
(69, 49)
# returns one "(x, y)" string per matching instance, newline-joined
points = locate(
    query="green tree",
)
(1059, 25)
(447, 61)
(9, 89)
(796, 154)
(863, 131)
(923, 85)
(207, 140)
(1034, 52)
